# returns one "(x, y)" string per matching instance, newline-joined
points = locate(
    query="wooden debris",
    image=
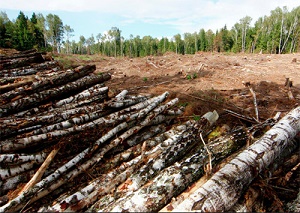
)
(247, 84)
(221, 192)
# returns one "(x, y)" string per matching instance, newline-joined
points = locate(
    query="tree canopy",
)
(277, 33)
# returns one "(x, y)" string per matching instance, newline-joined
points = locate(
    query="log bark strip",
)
(30, 70)
(144, 108)
(48, 95)
(174, 179)
(90, 92)
(49, 82)
(19, 62)
(223, 190)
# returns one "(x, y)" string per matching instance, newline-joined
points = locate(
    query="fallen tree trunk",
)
(174, 179)
(50, 94)
(224, 188)
(14, 85)
(17, 203)
(15, 126)
(31, 70)
(8, 63)
(49, 82)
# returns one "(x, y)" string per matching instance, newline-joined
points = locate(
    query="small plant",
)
(189, 77)
(183, 104)
(196, 117)
(145, 79)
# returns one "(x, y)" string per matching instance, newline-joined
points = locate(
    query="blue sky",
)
(157, 18)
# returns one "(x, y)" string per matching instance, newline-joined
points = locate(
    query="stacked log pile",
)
(68, 144)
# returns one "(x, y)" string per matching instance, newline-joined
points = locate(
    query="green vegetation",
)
(277, 33)
(196, 117)
(145, 79)
(189, 77)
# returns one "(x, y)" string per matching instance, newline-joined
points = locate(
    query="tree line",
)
(276, 33)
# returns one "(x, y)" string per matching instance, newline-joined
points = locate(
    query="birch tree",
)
(225, 187)
(245, 24)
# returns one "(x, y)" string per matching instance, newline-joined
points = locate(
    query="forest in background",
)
(276, 33)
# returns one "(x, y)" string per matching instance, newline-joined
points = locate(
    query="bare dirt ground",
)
(207, 81)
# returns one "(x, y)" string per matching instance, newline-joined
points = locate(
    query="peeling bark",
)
(48, 82)
(174, 179)
(90, 92)
(48, 95)
(25, 60)
(224, 188)
(30, 70)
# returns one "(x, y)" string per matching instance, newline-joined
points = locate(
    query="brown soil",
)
(207, 81)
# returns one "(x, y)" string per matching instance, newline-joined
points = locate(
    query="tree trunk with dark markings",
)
(224, 188)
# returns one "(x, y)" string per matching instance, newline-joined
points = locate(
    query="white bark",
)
(21, 158)
(223, 190)
(88, 93)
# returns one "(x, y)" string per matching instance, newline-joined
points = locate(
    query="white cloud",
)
(183, 15)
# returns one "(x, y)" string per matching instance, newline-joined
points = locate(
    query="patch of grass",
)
(196, 117)
(66, 61)
(184, 104)
(85, 58)
(189, 77)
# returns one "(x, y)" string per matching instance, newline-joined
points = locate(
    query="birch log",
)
(49, 82)
(144, 108)
(225, 187)
(50, 94)
(88, 93)
(15, 126)
(30, 70)
(19, 62)
(42, 188)
(174, 179)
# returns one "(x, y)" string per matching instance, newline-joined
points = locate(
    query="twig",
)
(289, 84)
(137, 67)
(247, 84)
(152, 64)
(38, 175)
(243, 117)
(214, 101)
(290, 173)
(209, 167)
